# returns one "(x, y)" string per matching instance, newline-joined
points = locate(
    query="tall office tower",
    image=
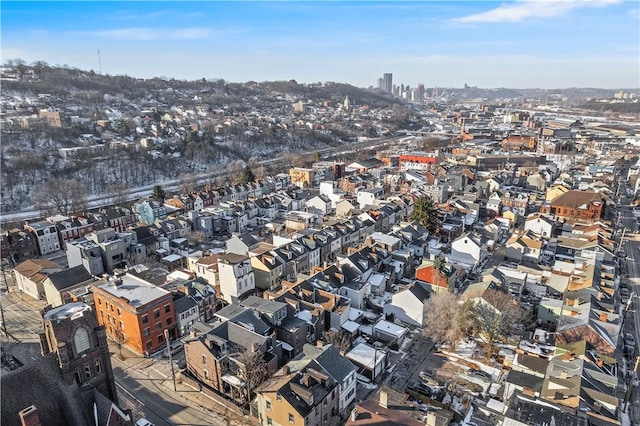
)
(380, 84)
(388, 82)
(420, 92)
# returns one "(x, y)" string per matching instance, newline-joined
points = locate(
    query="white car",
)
(144, 422)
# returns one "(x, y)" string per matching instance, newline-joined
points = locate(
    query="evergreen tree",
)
(425, 213)
(158, 192)
(247, 175)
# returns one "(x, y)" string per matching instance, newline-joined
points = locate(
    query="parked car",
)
(144, 422)
(479, 375)
(428, 379)
(421, 389)
(176, 347)
(629, 340)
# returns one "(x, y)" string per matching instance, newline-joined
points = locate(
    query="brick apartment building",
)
(135, 313)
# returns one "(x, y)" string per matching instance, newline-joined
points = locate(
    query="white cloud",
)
(526, 9)
(151, 34)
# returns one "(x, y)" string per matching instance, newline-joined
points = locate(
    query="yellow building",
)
(555, 191)
(302, 177)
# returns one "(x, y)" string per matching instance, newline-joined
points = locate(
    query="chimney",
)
(384, 396)
(305, 380)
(599, 362)
(286, 369)
(603, 317)
(29, 416)
(354, 414)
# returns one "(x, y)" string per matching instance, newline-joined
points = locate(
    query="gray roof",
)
(70, 277)
(238, 335)
(262, 305)
(41, 384)
(184, 304)
(333, 363)
(525, 380)
(243, 316)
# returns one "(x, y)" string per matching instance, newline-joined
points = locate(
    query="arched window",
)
(81, 341)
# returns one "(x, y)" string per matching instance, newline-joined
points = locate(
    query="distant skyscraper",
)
(380, 84)
(388, 82)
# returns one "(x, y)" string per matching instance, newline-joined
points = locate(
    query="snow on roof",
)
(286, 346)
(366, 355)
(350, 326)
(354, 313)
(305, 316)
(172, 258)
(390, 328)
(70, 310)
(233, 380)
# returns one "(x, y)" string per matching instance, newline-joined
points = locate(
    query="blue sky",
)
(519, 44)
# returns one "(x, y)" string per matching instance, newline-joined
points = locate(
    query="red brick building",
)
(135, 313)
(416, 161)
(587, 205)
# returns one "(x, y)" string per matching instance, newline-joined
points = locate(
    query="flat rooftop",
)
(136, 291)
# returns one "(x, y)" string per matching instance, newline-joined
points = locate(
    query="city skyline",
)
(521, 44)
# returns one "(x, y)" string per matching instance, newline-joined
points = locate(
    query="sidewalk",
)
(184, 393)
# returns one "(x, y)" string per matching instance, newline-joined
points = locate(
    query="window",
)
(169, 321)
(158, 325)
(156, 313)
(269, 422)
(149, 345)
(292, 419)
(278, 397)
(160, 338)
(147, 331)
(145, 319)
(204, 360)
(99, 301)
(119, 311)
(97, 366)
(121, 325)
(267, 404)
(206, 374)
(167, 308)
(81, 340)
(87, 371)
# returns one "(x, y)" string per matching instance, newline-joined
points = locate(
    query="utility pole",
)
(624, 229)
(173, 374)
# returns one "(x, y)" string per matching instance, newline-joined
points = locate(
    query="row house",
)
(268, 269)
(71, 228)
(294, 257)
(236, 276)
(306, 398)
(20, 245)
(202, 293)
(149, 210)
(113, 248)
(30, 276)
(214, 358)
(46, 236)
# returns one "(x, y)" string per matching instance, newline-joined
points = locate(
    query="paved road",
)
(632, 318)
(145, 391)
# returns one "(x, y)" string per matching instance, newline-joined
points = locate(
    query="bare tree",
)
(446, 319)
(119, 194)
(197, 237)
(339, 339)
(251, 367)
(496, 317)
(63, 196)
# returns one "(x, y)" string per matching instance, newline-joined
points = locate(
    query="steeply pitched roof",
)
(70, 277)
(41, 384)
